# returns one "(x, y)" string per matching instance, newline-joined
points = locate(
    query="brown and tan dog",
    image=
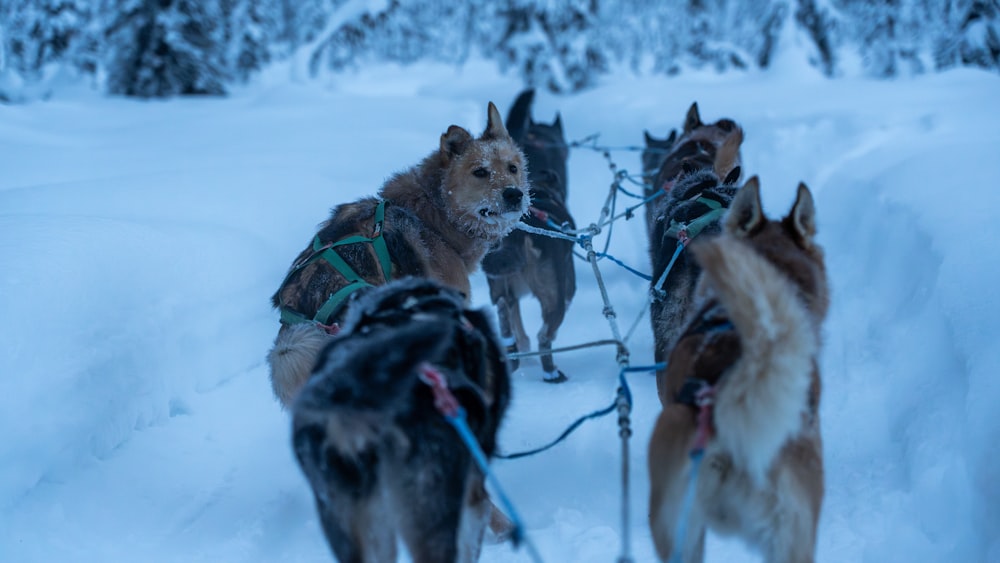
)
(753, 348)
(437, 221)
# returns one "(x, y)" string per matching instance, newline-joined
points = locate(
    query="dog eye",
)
(513, 169)
(480, 172)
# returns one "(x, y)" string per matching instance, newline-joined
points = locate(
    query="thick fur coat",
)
(441, 217)
(756, 342)
(380, 457)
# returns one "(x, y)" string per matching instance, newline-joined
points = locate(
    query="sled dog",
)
(526, 263)
(742, 390)
(380, 457)
(654, 152)
(699, 176)
(435, 220)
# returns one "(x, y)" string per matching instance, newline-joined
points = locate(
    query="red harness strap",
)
(444, 401)
(704, 400)
(538, 213)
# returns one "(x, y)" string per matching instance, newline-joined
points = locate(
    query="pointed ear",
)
(745, 212)
(693, 120)
(672, 138)
(802, 217)
(728, 156)
(558, 123)
(494, 124)
(647, 138)
(733, 176)
(454, 141)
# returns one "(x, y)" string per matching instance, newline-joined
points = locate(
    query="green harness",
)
(328, 253)
(690, 230)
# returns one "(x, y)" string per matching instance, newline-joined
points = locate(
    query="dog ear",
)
(802, 217)
(745, 212)
(733, 176)
(454, 141)
(558, 124)
(494, 124)
(728, 156)
(672, 137)
(693, 120)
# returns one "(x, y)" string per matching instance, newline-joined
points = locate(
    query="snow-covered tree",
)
(166, 47)
(42, 32)
(254, 25)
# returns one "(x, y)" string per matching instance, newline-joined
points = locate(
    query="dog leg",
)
(553, 313)
(669, 474)
(798, 486)
(503, 297)
(475, 517)
(523, 342)
(350, 508)
(428, 484)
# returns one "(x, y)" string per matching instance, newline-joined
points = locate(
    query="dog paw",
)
(556, 376)
(513, 363)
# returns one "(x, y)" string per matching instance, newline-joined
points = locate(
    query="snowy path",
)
(140, 242)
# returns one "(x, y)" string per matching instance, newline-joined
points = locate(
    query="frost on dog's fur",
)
(441, 217)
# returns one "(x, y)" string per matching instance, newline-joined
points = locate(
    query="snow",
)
(140, 243)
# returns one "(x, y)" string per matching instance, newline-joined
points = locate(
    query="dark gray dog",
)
(655, 151)
(380, 457)
(534, 264)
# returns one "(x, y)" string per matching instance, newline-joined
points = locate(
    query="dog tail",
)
(361, 383)
(292, 359)
(519, 115)
(763, 396)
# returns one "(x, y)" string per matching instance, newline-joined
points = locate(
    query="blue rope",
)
(623, 265)
(658, 288)
(630, 210)
(682, 523)
(596, 414)
(572, 427)
(630, 194)
(465, 433)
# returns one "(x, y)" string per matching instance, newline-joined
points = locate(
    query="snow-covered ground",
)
(140, 243)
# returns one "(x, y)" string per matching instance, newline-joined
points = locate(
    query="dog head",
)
(714, 146)
(485, 179)
(788, 243)
(655, 152)
(544, 145)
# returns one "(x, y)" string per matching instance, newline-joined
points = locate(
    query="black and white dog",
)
(380, 457)
(535, 264)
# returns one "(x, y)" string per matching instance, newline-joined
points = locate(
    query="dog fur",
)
(761, 477)
(533, 264)
(441, 217)
(697, 148)
(654, 152)
(704, 161)
(381, 459)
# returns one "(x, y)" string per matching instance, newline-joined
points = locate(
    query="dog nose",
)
(513, 196)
